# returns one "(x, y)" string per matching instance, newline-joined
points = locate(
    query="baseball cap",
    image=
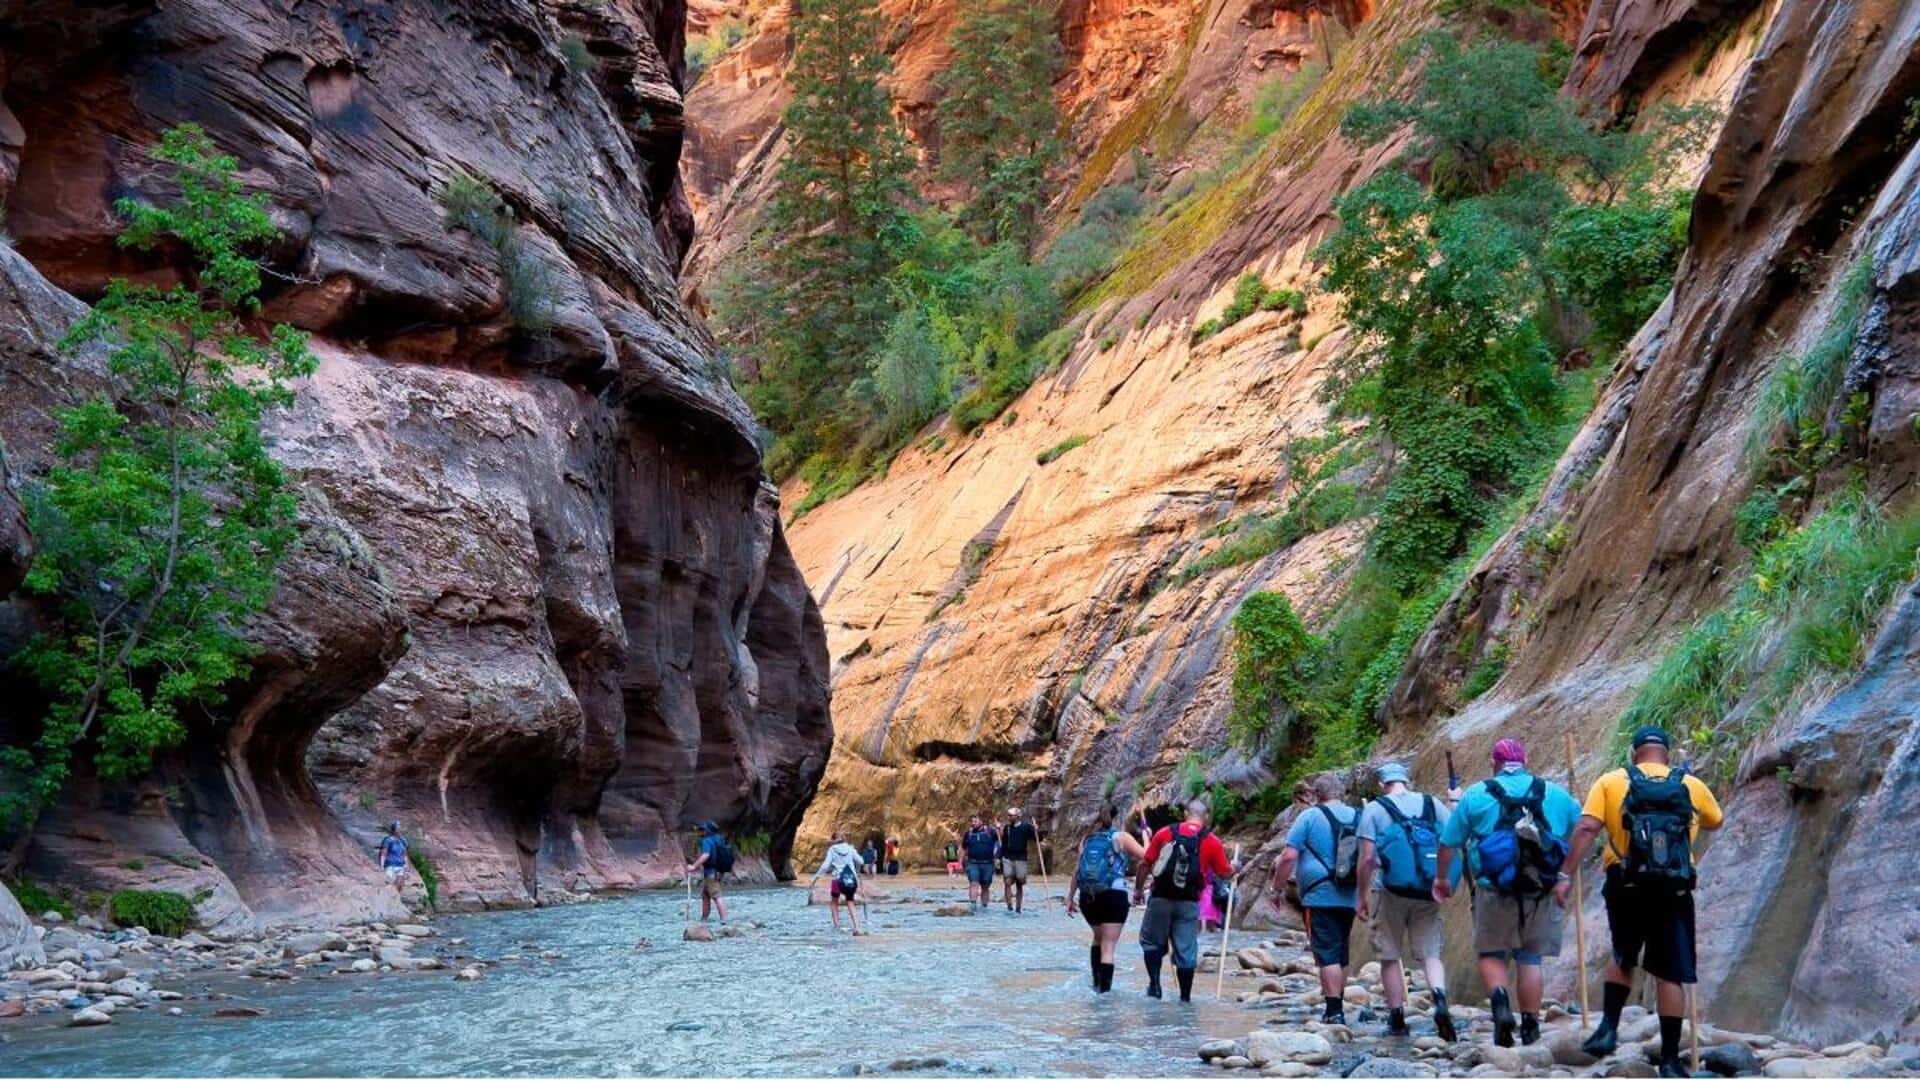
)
(1392, 773)
(1650, 736)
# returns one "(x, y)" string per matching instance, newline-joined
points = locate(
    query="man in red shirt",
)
(1176, 863)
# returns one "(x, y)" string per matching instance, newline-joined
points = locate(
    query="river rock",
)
(239, 1012)
(954, 911)
(1730, 1059)
(315, 942)
(1505, 1058)
(132, 988)
(696, 932)
(364, 965)
(1537, 1056)
(468, 974)
(1629, 1067)
(1822, 1068)
(11, 1008)
(413, 930)
(393, 956)
(1291, 1069)
(1235, 1061)
(90, 1017)
(1305, 1047)
(1564, 1044)
(1220, 1048)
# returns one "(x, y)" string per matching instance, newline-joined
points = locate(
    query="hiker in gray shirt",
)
(1399, 854)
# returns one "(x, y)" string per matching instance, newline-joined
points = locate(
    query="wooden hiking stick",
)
(1693, 1023)
(1046, 884)
(1226, 928)
(1579, 917)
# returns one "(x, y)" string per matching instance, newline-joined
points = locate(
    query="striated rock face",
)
(19, 946)
(542, 611)
(1807, 178)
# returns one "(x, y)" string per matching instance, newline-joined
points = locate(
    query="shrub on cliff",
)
(163, 519)
(164, 913)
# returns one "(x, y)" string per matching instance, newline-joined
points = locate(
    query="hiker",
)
(982, 847)
(841, 868)
(953, 860)
(869, 858)
(1650, 813)
(893, 856)
(1014, 840)
(1213, 902)
(393, 855)
(1323, 857)
(1176, 862)
(1513, 827)
(1099, 889)
(715, 859)
(1399, 853)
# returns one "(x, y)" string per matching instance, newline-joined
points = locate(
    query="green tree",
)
(837, 216)
(1275, 662)
(998, 117)
(163, 519)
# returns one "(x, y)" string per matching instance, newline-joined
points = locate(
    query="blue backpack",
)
(1521, 856)
(1410, 854)
(1101, 863)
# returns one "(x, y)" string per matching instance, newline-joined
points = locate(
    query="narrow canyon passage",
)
(995, 994)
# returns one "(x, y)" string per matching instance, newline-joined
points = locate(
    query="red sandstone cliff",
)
(543, 611)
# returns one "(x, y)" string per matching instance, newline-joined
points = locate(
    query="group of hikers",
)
(1514, 838)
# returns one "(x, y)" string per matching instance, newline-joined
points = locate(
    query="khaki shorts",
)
(710, 886)
(1524, 928)
(1398, 919)
(1015, 870)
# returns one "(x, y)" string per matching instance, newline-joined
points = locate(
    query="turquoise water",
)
(990, 994)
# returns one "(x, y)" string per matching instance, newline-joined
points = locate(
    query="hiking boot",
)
(1443, 1023)
(1503, 1023)
(1671, 1066)
(1153, 989)
(1185, 975)
(1603, 1042)
(1529, 1029)
(1397, 1024)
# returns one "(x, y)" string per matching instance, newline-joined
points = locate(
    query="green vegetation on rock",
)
(998, 117)
(429, 877)
(1054, 452)
(164, 913)
(36, 899)
(163, 519)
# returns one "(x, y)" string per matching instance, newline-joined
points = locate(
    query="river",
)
(989, 994)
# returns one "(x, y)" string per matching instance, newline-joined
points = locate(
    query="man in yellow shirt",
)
(1650, 813)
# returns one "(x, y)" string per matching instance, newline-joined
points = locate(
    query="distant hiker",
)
(953, 859)
(1399, 857)
(1213, 902)
(1650, 813)
(982, 846)
(893, 856)
(841, 868)
(869, 859)
(1176, 862)
(1323, 857)
(393, 855)
(1099, 890)
(1014, 841)
(1513, 827)
(714, 861)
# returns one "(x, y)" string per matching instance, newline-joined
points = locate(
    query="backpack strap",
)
(1427, 812)
(1386, 803)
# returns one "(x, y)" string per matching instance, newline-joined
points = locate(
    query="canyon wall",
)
(1005, 631)
(542, 610)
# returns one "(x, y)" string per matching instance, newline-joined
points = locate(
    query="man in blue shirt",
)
(982, 848)
(1514, 829)
(393, 855)
(710, 843)
(1326, 871)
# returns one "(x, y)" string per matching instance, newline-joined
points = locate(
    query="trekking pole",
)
(1579, 916)
(1046, 883)
(1226, 928)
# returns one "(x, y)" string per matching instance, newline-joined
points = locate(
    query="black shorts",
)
(1328, 929)
(1104, 908)
(1652, 929)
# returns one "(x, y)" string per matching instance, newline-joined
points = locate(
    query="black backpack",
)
(1176, 872)
(1344, 869)
(1658, 816)
(720, 859)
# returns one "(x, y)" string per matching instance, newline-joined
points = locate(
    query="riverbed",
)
(921, 995)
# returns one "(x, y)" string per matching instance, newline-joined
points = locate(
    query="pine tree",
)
(998, 116)
(836, 219)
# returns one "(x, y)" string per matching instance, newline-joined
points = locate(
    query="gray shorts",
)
(1172, 926)
(1398, 919)
(1523, 929)
(1015, 870)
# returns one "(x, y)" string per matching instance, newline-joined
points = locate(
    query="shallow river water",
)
(994, 993)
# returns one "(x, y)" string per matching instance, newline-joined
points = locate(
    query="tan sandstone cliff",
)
(543, 611)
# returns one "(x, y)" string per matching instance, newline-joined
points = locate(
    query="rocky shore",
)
(1278, 975)
(91, 973)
